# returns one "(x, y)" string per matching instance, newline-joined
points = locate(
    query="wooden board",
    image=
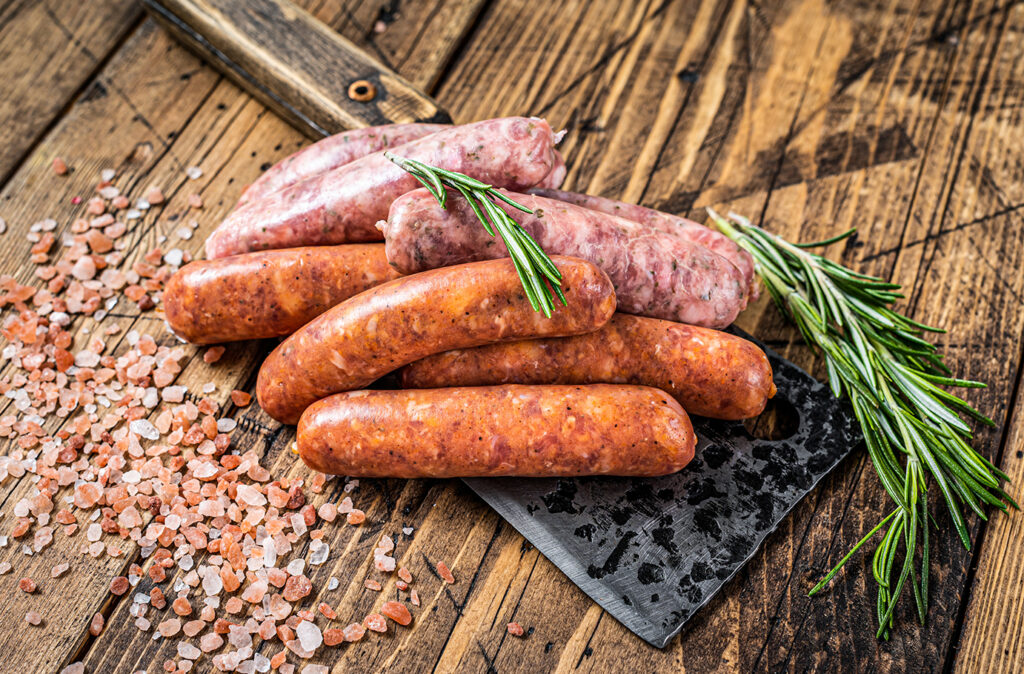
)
(902, 119)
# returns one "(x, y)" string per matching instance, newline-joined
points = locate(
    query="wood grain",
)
(901, 118)
(49, 50)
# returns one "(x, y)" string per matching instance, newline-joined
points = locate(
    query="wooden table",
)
(902, 118)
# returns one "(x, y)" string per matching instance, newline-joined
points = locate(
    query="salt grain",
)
(144, 428)
(188, 651)
(309, 635)
(318, 552)
(194, 172)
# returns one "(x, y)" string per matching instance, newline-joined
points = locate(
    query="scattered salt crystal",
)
(226, 425)
(309, 635)
(315, 669)
(107, 175)
(173, 394)
(142, 624)
(407, 531)
(194, 172)
(142, 205)
(132, 214)
(298, 523)
(94, 532)
(174, 256)
(3, 225)
(150, 399)
(145, 429)
(250, 495)
(87, 359)
(261, 663)
(318, 552)
(109, 192)
(183, 233)
(188, 651)
(239, 637)
(296, 567)
(212, 584)
(209, 387)
(74, 668)
(333, 583)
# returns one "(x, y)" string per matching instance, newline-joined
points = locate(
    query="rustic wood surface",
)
(903, 118)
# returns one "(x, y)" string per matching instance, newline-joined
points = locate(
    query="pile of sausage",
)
(490, 386)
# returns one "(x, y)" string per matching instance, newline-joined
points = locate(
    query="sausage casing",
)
(711, 373)
(655, 274)
(334, 151)
(343, 205)
(664, 222)
(489, 431)
(410, 318)
(268, 294)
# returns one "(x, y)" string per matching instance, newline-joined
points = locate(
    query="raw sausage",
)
(665, 222)
(268, 294)
(655, 274)
(342, 205)
(557, 174)
(711, 373)
(332, 152)
(523, 431)
(410, 318)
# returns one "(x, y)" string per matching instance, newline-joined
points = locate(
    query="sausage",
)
(655, 274)
(268, 294)
(490, 431)
(665, 222)
(557, 174)
(343, 205)
(711, 373)
(410, 318)
(332, 152)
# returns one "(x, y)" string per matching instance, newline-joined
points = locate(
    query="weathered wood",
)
(810, 117)
(295, 64)
(49, 50)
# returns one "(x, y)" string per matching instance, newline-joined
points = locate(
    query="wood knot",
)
(362, 91)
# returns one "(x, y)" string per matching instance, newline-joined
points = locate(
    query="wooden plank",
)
(994, 627)
(49, 50)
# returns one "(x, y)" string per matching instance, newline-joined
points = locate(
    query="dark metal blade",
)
(653, 551)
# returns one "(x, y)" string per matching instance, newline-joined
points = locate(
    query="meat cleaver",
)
(651, 552)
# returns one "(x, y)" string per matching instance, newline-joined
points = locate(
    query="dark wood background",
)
(901, 117)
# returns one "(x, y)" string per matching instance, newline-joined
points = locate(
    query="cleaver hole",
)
(779, 421)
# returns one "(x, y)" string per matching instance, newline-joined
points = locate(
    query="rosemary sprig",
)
(878, 359)
(540, 278)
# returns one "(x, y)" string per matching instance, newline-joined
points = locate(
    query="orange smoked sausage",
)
(488, 431)
(410, 318)
(268, 294)
(710, 373)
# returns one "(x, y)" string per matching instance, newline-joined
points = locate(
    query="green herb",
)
(893, 378)
(540, 278)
